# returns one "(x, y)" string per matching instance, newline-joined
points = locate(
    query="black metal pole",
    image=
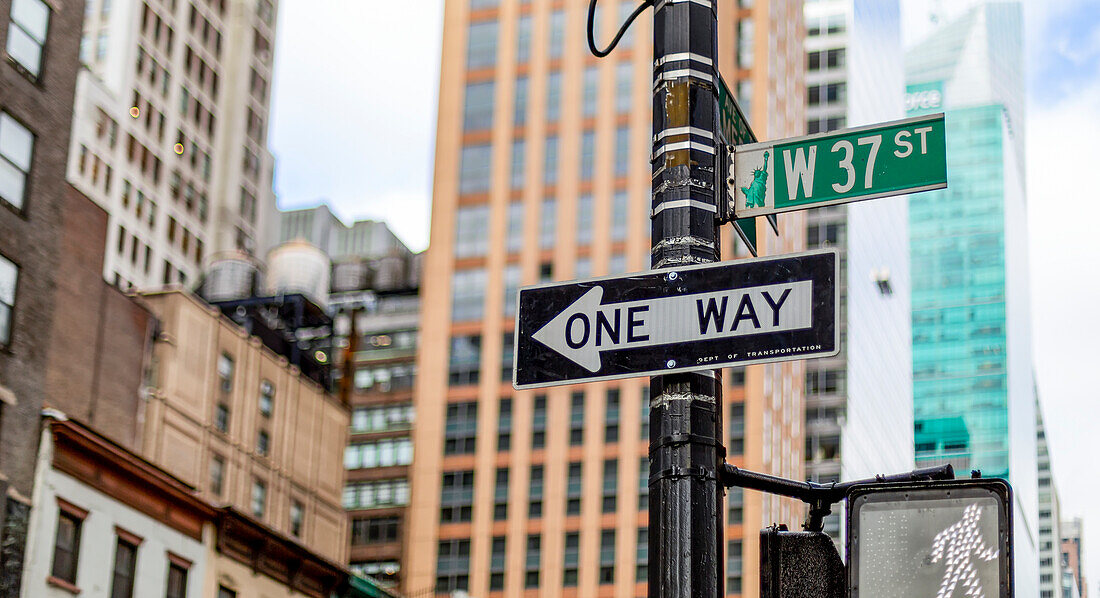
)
(685, 448)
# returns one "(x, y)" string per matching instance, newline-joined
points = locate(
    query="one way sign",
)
(677, 319)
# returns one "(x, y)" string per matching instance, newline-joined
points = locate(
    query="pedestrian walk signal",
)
(950, 539)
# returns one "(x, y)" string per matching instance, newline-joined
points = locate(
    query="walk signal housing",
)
(948, 539)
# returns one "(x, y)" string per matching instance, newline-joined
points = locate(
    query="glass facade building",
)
(973, 386)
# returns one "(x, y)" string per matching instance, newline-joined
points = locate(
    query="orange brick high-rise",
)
(542, 173)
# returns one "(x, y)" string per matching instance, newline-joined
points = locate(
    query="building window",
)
(122, 581)
(267, 398)
(531, 565)
(550, 163)
(478, 110)
(461, 429)
(512, 274)
(642, 559)
(465, 360)
(514, 240)
(30, 19)
(297, 511)
(534, 495)
(9, 275)
(259, 498)
(736, 506)
(468, 294)
(66, 547)
(553, 97)
(645, 409)
(571, 559)
(519, 162)
(504, 426)
(379, 453)
(745, 31)
(379, 529)
(457, 502)
(519, 103)
(481, 48)
(221, 418)
(611, 420)
(473, 176)
(177, 581)
(548, 223)
(733, 567)
(16, 149)
(507, 355)
(500, 495)
(588, 156)
(452, 568)
(523, 39)
(623, 80)
(538, 423)
(619, 216)
(736, 445)
(497, 564)
(607, 556)
(557, 33)
(224, 592)
(643, 484)
(610, 484)
(576, 419)
(263, 443)
(573, 489)
(382, 419)
(591, 91)
(225, 372)
(217, 475)
(622, 151)
(585, 215)
(375, 494)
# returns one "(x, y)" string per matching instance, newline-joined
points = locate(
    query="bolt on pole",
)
(685, 448)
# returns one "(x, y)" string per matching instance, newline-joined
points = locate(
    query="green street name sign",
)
(735, 131)
(904, 156)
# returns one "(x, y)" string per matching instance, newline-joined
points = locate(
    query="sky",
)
(353, 121)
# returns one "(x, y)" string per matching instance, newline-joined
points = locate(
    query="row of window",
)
(376, 494)
(453, 561)
(382, 419)
(475, 162)
(380, 453)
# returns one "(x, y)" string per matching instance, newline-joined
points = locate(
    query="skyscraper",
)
(859, 403)
(542, 174)
(1050, 522)
(973, 387)
(170, 130)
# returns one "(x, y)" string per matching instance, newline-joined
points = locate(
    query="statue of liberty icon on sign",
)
(757, 191)
(958, 545)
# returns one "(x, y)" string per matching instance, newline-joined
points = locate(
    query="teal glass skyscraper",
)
(973, 387)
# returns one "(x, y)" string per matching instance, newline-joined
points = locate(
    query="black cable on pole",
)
(622, 30)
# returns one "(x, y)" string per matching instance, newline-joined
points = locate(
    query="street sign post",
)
(678, 319)
(734, 130)
(904, 156)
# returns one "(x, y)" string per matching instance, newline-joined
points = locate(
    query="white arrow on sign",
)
(587, 327)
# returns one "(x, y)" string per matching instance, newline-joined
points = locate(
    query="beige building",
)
(232, 418)
(542, 173)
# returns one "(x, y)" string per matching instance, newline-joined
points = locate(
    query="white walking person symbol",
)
(958, 545)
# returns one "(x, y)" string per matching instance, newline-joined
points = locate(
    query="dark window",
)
(461, 429)
(217, 475)
(643, 484)
(296, 515)
(736, 425)
(267, 398)
(576, 419)
(736, 506)
(370, 531)
(504, 425)
(534, 552)
(452, 566)
(607, 556)
(572, 559)
(610, 484)
(177, 581)
(538, 422)
(259, 498)
(534, 495)
(225, 372)
(573, 489)
(66, 548)
(645, 414)
(263, 442)
(224, 592)
(611, 422)
(500, 495)
(733, 567)
(9, 274)
(122, 582)
(497, 563)
(642, 559)
(457, 502)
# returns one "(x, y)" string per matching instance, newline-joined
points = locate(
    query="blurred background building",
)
(170, 133)
(542, 174)
(973, 387)
(1073, 559)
